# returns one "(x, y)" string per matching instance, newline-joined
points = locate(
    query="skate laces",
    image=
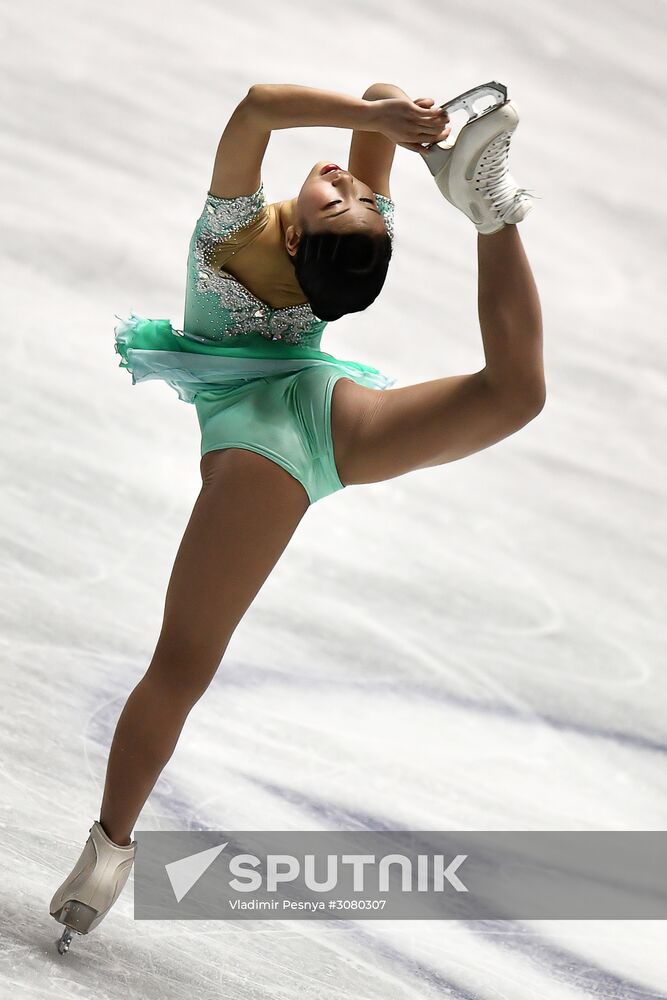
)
(494, 181)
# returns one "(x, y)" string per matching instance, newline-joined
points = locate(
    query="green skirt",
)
(265, 396)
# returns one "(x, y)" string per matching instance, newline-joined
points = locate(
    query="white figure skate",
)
(471, 170)
(94, 885)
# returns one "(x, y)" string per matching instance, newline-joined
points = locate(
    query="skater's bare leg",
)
(244, 516)
(378, 435)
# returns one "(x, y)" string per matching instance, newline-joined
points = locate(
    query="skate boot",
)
(94, 885)
(471, 172)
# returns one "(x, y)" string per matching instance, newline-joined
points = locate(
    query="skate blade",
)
(477, 102)
(64, 940)
(463, 110)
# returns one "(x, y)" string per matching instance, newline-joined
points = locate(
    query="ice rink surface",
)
(479, 646)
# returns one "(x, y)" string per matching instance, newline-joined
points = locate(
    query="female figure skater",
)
(283, 423)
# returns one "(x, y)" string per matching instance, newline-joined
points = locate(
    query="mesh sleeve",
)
(386, 206)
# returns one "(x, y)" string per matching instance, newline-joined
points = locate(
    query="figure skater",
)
(285, 424)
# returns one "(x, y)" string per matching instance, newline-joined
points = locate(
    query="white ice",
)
(477, 646)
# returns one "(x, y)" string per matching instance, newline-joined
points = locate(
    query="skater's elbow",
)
(520, 399)
(533, 398)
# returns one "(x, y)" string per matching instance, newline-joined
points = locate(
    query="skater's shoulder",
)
(222, 217)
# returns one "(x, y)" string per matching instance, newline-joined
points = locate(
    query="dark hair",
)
(341, 273)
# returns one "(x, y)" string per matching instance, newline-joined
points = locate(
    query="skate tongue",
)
(520, 206)
(529, 192)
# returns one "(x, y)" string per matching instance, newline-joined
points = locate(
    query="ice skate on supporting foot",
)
(93, 886)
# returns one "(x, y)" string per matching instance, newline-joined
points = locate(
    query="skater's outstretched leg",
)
(380, 435)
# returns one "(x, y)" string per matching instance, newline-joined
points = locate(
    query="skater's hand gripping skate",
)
(410, 124)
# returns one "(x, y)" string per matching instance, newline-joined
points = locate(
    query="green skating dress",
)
(255, 374)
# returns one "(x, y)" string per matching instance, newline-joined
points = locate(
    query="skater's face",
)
(334, 202)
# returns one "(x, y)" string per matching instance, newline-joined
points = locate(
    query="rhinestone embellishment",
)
(233, 309)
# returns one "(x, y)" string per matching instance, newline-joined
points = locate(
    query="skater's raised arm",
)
(286, 105)
(238, 161)
(372, 153)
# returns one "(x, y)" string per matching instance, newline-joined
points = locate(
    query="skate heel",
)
(78, 919)
(472, 144)
(473, 105)
(77, 916)
(93, 886)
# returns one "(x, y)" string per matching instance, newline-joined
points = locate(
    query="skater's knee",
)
(184, 666)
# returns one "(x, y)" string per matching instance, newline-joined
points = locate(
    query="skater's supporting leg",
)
(380, 435)
(245, 515)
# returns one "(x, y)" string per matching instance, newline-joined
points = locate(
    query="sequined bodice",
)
(218, 306)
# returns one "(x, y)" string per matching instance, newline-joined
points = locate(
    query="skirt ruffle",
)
(154, 349)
